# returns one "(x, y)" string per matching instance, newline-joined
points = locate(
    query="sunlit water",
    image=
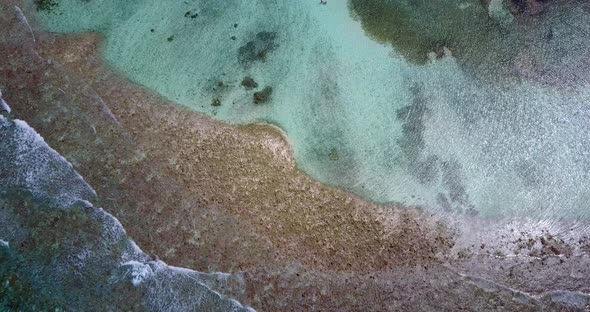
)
(472, 129)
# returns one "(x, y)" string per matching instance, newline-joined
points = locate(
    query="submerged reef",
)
(249, 83)
(503, 85)
(416, 28)
(488, 37)
(46, 5)
(257, 49)
(263, 96)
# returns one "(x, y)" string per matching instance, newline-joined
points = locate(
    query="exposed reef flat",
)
(489, 38)
(206, 195)
(247, 172)
(60, 253)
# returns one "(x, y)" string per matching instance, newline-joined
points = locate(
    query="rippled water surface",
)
(274, 155)
(449, 105)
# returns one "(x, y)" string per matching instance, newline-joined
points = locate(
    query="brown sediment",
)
(209, 196)
(247, 172)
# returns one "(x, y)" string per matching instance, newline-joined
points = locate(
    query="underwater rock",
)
(191, 14)
(257, 49)
(333, 154)
(216, 102)
(249, 83)
(45, 5)
(453, 181)
(413, 118)
(263, 96)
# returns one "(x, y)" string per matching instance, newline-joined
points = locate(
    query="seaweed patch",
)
(257, 49)
(46, 5)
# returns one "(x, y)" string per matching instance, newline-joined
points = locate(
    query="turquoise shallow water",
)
(463, 133)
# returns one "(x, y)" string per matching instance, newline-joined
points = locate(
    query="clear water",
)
(463, 107)
(449, 134)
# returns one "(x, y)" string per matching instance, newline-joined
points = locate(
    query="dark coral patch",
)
(249, 83)
(257, 50)
(262, 96)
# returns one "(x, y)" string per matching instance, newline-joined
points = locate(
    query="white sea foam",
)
(36, 164)
(23, 19)
(27, 162)
(139, 272)
(3, 105)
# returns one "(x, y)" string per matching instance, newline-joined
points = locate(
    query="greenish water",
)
(499, 128)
